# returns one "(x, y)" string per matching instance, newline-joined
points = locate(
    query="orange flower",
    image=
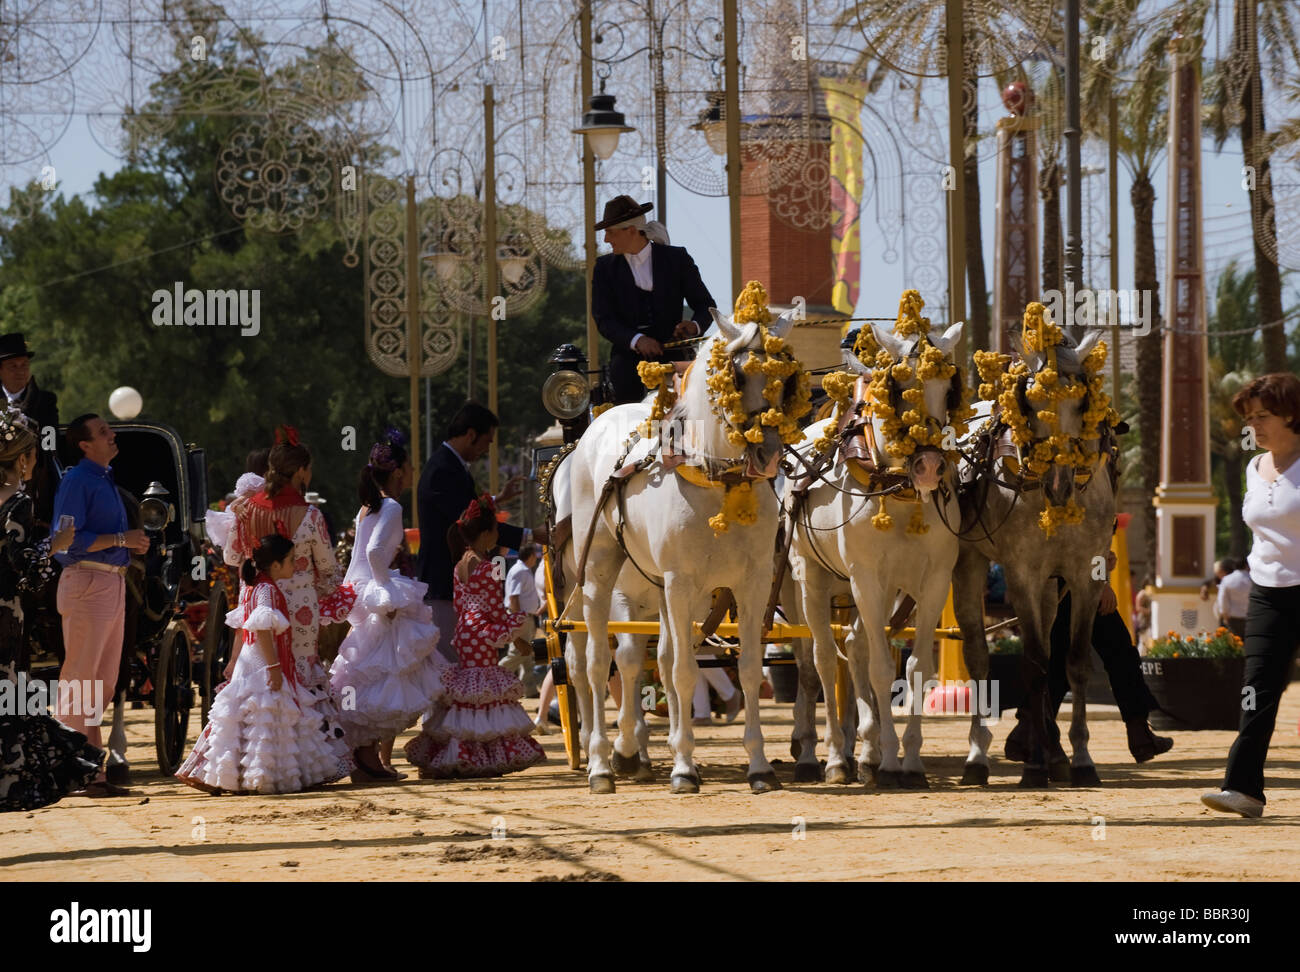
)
(1172, 634)
(1175, 654)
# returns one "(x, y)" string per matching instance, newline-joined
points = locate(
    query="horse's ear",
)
(854, 364)
(891, 342)
(782, 325)
(1088, 343)
(950, 338)
(729, 331)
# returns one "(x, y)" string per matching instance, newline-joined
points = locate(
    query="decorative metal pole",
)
(1112, 148)
(1073, 176)
(589, 196)
(731, 68)
(1184, 499)
(1015, 252)
(957, 164)
(491, 287)
(413, 326)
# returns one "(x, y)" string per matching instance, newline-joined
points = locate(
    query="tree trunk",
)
(978, 311)
(1049, 190)
(1268, 279)
(1238, 539)
(1150, 356)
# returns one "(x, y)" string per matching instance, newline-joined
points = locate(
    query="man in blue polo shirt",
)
(92, 589)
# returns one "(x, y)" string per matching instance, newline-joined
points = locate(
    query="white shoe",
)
(540, 724)
(1230, 801)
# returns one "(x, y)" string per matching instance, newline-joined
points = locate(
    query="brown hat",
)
(620, 209)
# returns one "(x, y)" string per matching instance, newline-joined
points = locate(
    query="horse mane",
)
(702, 432)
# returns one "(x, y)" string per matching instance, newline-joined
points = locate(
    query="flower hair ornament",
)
(286, 435)
(13, 421)
(381, 453)
(476, 509)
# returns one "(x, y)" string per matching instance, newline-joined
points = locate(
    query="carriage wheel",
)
(172, 699)
(218, 642)
(564, 693)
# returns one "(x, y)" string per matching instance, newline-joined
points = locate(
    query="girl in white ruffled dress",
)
(387, 672)
(269, 731)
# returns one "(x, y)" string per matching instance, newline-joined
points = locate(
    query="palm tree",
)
(1235, 358)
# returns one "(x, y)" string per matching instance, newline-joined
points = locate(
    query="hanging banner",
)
(844, 105)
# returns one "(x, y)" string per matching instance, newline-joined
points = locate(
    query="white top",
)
(1272, 511)
(642, 272)
(519, 583)
(539, 581)
(1234, 595)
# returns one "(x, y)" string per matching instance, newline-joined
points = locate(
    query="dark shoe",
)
(101, 789)
(1145, 744)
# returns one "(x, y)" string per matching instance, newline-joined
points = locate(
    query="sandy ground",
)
(1144, 823)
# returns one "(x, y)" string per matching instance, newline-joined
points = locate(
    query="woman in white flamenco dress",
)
(387, 672)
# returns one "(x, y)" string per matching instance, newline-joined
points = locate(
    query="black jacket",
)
(42, 408)
(676, 282)
(444, 491)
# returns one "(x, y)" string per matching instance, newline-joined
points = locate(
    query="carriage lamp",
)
(713, 124)
(602, 125)
(155, 511)
(566, 393)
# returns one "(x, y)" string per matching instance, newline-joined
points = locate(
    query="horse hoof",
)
(644, 773)
(686, 784)
(1084, 776)
(915, 780)
(764, 782)
(975, 774)
(889, 779)
(119, 774)
(1036, 778)
(867, 774)
(838, 774)
(604, 783)
(807, 773)
(624, 766)
(1060, 772)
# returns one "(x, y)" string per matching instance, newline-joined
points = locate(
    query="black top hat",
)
(622, 208)
(13, 346)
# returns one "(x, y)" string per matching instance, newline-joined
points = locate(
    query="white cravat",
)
(642, 271)
(13, 396)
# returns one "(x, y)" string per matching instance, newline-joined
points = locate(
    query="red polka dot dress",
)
(479, 729)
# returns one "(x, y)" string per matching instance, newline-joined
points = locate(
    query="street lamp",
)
(602, 125)
(713, 124)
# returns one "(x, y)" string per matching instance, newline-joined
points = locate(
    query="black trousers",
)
(1111, 641)
(1272, 629)
(628, 386)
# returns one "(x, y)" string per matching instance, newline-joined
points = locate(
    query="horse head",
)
(914, 396)
(737, 357)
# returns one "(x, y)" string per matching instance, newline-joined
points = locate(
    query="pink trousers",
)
(92, 604)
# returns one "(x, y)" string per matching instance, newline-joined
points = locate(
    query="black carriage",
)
(176, 592)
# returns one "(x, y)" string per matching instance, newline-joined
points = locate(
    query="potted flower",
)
(1196, 680)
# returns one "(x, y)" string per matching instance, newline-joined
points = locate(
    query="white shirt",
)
(14, 396)
(1272, 511)
(539, 581)
(519, 583)
(642, 270)
(1234, 595)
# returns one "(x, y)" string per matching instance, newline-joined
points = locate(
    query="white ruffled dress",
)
(263, 741)
(387, 672)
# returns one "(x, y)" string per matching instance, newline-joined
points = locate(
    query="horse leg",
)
(630, 658)
(750, 669)
(679, 596)
(864, 723)
(596, 610)
(817, 611)
(1035, 601)
(575, 664)
(929, 607)
(803, 735)
(968, 580)
(1079, 666)
(875, 666)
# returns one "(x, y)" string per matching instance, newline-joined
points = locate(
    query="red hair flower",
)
(286, 434)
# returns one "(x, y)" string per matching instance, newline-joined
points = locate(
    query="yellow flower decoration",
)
(655, 375)
(917, 525)
(751, 305)
(739, 505)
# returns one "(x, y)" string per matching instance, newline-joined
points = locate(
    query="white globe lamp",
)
(125, 403)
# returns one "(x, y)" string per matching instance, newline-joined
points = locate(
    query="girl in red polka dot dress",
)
(478, 729)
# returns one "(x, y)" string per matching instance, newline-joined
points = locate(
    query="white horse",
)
(634, 599)
(836, 550)
(660, 522)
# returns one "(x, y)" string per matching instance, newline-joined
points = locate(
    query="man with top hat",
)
(40, 406)
(637, 295)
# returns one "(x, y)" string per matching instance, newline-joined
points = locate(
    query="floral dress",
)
(41, 759)
(480, 729)
(387, 672)
(258, 740)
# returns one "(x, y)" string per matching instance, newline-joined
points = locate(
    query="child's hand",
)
(274, 678)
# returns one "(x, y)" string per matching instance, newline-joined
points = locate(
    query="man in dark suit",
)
(637, 293)
(445, 490)
(40, 406)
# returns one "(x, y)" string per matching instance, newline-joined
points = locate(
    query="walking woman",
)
(1270, 406)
